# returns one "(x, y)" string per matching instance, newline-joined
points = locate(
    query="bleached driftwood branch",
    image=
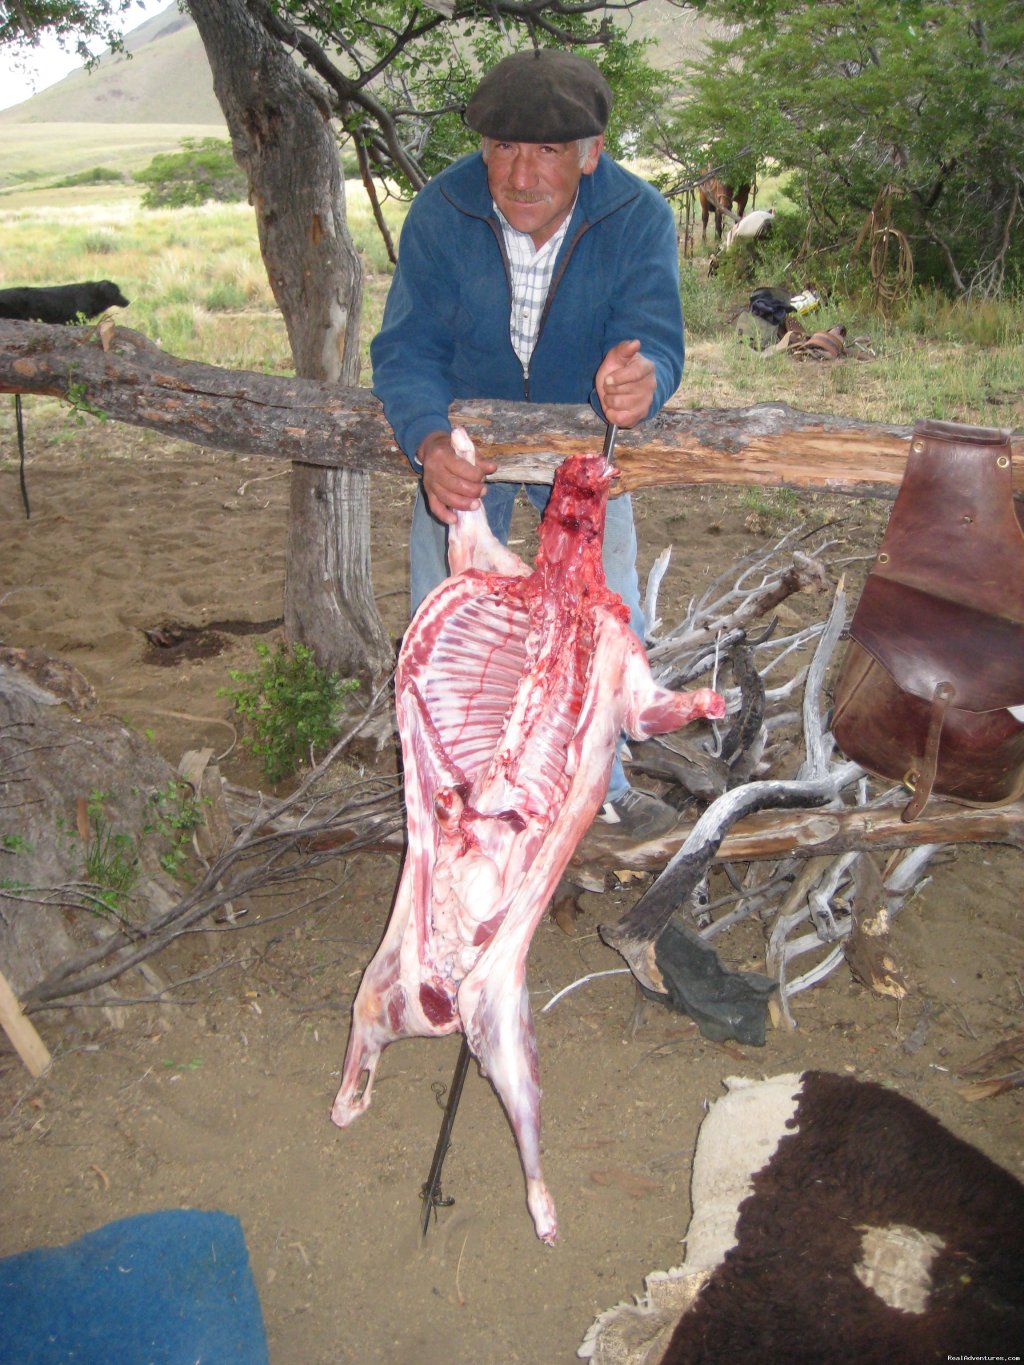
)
(824, 897)
(636, 933)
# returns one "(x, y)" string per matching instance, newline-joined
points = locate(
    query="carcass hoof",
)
(542, 1210)
(348, 1106)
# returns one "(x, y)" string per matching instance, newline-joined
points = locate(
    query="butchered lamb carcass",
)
(512, 689)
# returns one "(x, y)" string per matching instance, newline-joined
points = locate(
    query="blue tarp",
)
(171, 1288)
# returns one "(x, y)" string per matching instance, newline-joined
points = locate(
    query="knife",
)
(610, 436)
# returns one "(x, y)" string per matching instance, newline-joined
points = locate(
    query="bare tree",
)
(279, 120)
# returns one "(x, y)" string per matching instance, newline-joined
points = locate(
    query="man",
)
(536, 270)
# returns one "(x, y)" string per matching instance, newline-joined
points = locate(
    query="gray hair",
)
(585, 145)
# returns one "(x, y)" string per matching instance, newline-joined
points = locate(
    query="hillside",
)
(164, 78)
(135, 104)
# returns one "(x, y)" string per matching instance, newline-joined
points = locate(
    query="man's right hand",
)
(450, 483)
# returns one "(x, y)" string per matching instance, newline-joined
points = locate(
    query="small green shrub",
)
(95, 175)
(176, 813)
(289, 707)
(111, 859)
(204, 169)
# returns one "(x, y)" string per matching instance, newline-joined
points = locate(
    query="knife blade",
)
(610, 436)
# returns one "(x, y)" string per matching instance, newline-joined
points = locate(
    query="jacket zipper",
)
(555, 281)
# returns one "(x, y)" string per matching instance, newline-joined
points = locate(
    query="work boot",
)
(639, 816)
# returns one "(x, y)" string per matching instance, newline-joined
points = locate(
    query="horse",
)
(718, 197)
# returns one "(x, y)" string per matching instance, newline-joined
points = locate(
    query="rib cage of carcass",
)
(512, 689)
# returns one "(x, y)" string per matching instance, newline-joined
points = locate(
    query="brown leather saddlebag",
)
(936, 654)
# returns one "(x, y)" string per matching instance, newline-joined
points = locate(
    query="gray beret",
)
(541, 95)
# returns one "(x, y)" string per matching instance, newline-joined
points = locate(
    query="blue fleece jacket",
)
(445, 333)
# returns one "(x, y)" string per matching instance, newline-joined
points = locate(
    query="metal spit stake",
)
(431, 1191)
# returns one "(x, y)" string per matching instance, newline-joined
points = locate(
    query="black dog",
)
(61, 302)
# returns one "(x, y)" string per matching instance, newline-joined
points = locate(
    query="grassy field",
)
(36, 155)
(195, 277)
(198, 287)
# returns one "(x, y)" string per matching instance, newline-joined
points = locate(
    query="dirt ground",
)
(221, 1101)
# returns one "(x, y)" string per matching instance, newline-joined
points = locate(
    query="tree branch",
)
(121, 374)
(350, 91)
(366, 175)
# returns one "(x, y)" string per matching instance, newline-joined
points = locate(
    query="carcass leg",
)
(500, 1032)
(368, 1038)
(378, 1013)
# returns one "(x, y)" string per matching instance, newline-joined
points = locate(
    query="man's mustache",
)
(526, 197)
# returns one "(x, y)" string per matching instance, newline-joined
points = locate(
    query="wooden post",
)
(21, 1031)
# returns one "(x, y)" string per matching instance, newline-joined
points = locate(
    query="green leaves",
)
(73, 22)
(925, 98)
(203, 170)
(402, 74)
(290, 707)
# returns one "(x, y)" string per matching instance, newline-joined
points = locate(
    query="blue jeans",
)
(428, 559)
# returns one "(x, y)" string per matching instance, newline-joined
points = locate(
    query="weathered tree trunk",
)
(279, 121)
(328, 588)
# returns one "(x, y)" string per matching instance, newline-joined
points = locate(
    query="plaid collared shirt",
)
(532, 270)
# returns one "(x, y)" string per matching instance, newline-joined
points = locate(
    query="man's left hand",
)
(625, 384)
